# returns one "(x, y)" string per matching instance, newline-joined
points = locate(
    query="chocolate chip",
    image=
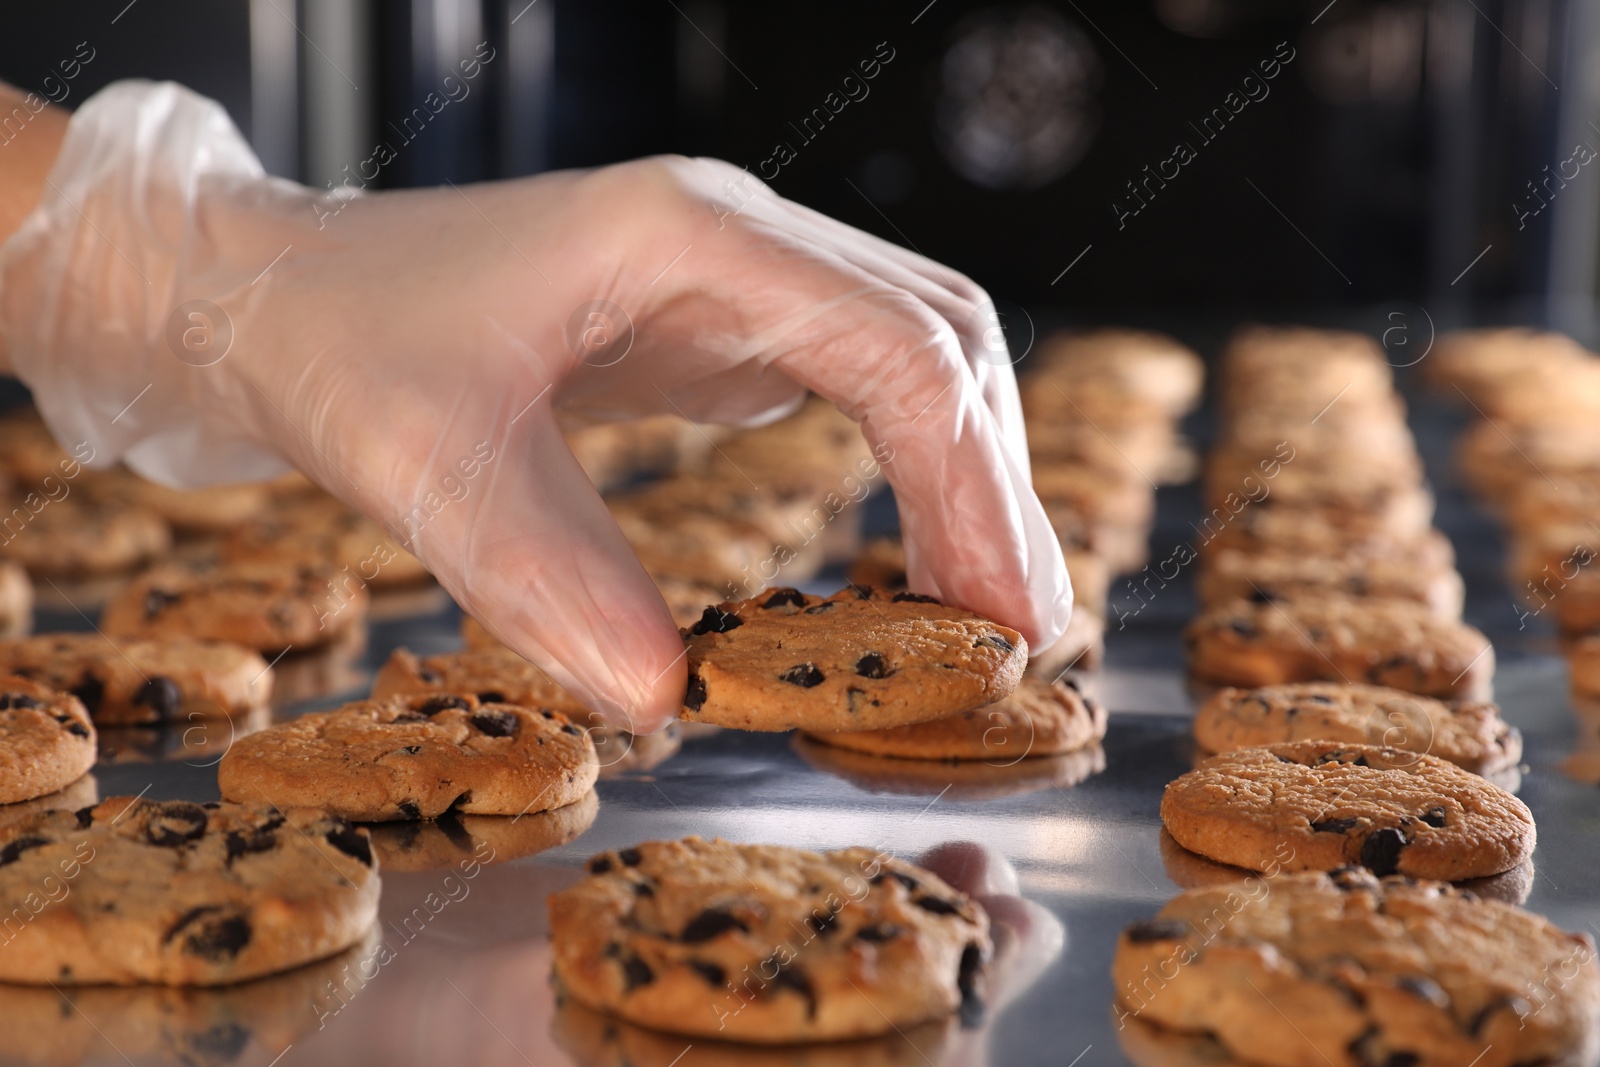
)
(411, 750)
(434, 705)
(1260, 596)
(1350, 878)
(863, 592)
(1142, 933)
(972, 1007)
(243, 842)
(85, 817)
(429, 675)
(636, 972)
(175, 823)
(1318, 698)
(872, 665)
(495, 722)
(73, 726)
(17, 700)
(1244, 629)
(630, 857)
(461, 799)
(1335, 826)
(713, 974)
(878, 932)
(13, 849)
(1434, 817)
(793, 978)
(1402, 1059)
(91, 691)
(936, 905)
(996, 640)
(1380, 852)
(568, 728)
(160, 695)
(715, 621)
(785, 598)
(805, 675)
(158, 600)
(694, 697)
(408, 809)
(491, 696)
(904, 879)
(212, 934)
(713, 922)
(1480, 1019)
(643, 889)
(823, 923)
(822, 608)
(351, 841)
(600, 865)
(913, 598)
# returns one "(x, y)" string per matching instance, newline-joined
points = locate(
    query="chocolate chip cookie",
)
(181, 894)
(319, 530)
(263, 606)
(1350, 970)
(952, 780)
(133, 681)
(414, 757)
(860, 659)
(68, 538)
(495, 673)
(1231, 574)
(766, 944)
(213, 510)
(1469, 735)
(46, 739)
(1037, 719)
(1318, 805)
(1390, 643)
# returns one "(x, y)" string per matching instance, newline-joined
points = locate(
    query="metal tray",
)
(466, 978)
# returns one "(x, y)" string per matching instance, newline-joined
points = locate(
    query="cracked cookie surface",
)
(414, 757)
(1371, 972)
(1319, 805)
(1469, 735)
(767, 944)
(177, 893)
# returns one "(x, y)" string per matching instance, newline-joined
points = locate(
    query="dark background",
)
(1387, 157)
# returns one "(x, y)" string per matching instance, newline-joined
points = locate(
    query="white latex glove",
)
(407, 348)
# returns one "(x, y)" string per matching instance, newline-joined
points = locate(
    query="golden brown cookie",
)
(952, 780)
(70, 538)
(1232, 574)
(496, 674)
(414, 757)
(859, 659)
(1469, 735)
(264, 606)
(1319, 805)
(181, 894)
(134, 681)
(767, 944)
(1392, 643)
(1349, 970)
(46, 739)
(1037, 719)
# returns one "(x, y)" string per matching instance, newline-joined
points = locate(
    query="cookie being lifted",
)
(180, 894)
(860, 659)
(767, 944)
(1319, 805)
(414, 757)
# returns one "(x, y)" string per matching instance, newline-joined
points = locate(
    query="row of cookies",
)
(1334, 813)
(1532, 456)
(1102, 409)
(1317, 556)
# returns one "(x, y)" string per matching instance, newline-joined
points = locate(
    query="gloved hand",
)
(406, 350)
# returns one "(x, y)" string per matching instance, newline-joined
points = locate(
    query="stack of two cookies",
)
(1533, 456)
(1318, 560)
(1103, 409)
